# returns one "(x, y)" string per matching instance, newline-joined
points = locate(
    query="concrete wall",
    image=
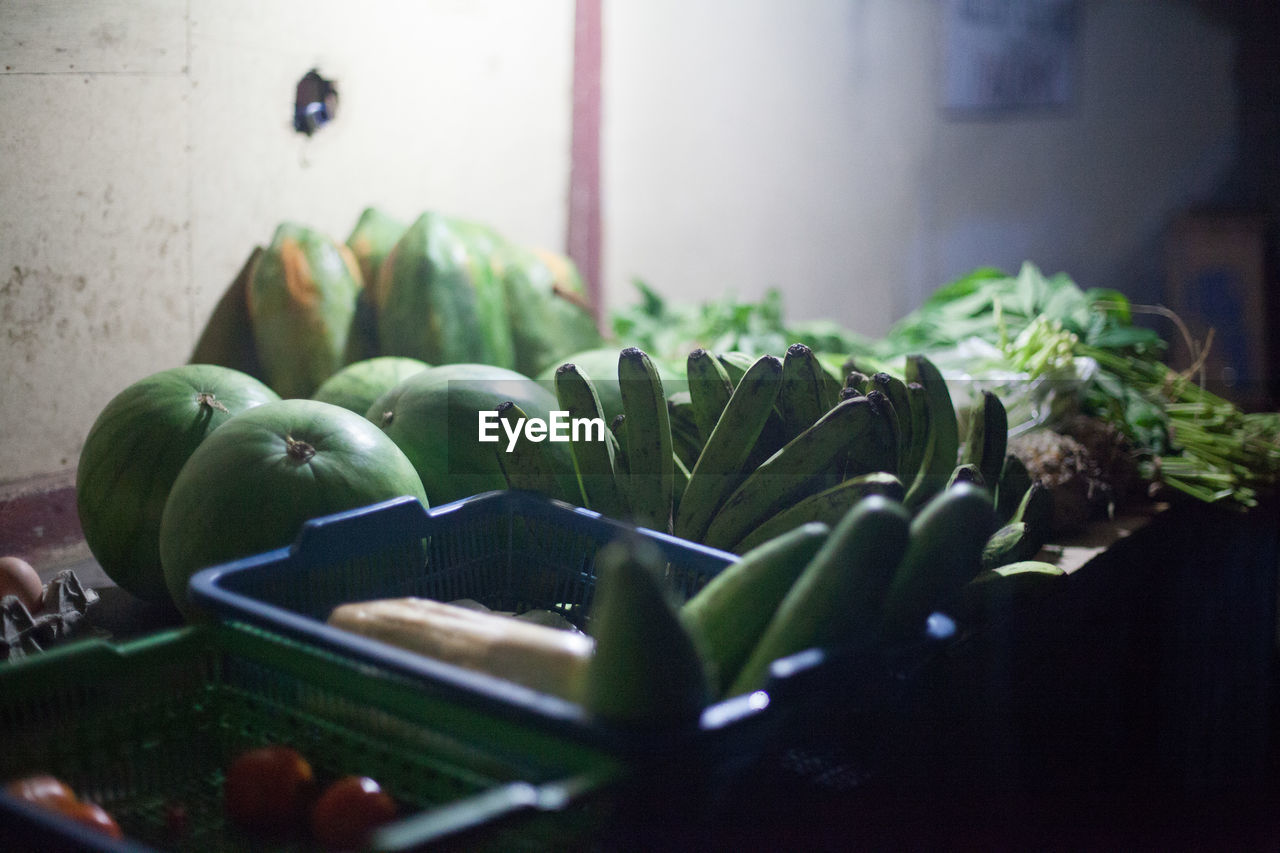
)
(146, 147)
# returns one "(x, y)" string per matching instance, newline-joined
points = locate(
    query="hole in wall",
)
(316, 103)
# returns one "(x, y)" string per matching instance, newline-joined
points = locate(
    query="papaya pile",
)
(440, 290)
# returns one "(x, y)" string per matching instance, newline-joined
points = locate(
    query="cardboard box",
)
(1218, 279)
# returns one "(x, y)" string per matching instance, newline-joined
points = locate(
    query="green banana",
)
(646, 671)
(947, 537)
(804, 395)
(995, 593)
(1036, 511)
(731, 612)
(880, 449)
(679, 483)
(594, 458)
(618, 428)
(526, 465)
(686, 441)
(913, 454)
(650, 466)
(942, 448)
(827, 506)
(896, 391)
(736, 364)
(1012, 543)
(803, 466)
(1011, 487)
(709, 389)
(856, 380)
(987, 440)
(966, 472)
(720, 466)
(836, 601)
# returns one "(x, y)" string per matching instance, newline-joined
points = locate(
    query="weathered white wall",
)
(802, 145)
(146, 147)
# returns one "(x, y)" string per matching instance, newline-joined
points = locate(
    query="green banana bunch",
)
(827, 506)
(836, 601)
(733, 609)
(803, 466)
(724, 458)
(945, 552)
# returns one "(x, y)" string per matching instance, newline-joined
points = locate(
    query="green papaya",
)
(370, 241)
(547, 308)
(438, 298)
(301, 299)
(227, 338)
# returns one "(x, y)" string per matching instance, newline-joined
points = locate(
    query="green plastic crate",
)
(146, 726)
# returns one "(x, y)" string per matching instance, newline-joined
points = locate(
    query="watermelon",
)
(357, 385)
(433, 416)
(132, 455)
(301, 300)
(251, 485)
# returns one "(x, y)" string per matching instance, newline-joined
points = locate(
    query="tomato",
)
(268, 788)
(348, 810)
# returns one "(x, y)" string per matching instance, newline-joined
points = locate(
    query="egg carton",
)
(65, 616)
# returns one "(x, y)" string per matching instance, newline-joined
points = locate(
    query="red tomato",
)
(349, 810)
(268, 788)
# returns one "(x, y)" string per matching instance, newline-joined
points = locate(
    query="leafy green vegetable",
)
(673, 330)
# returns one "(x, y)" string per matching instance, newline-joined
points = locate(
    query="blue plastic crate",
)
(508, 550)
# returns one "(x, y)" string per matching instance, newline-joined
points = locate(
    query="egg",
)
(17, 577)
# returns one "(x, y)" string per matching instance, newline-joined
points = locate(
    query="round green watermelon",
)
(357, 385)
(433, 416)
(250, 487)
(134, 451)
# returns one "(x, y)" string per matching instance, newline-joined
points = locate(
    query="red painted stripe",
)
(41, 519)
(584, 231)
